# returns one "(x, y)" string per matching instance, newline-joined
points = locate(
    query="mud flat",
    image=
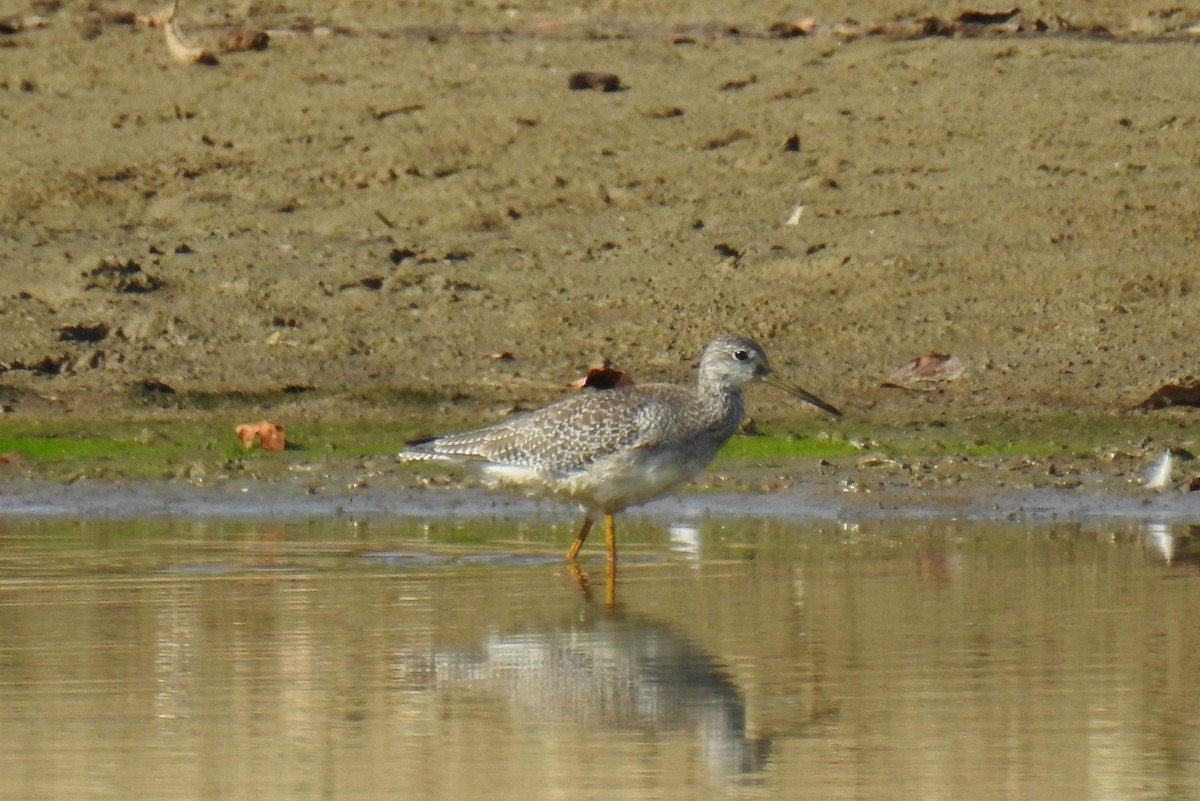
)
(407, 214)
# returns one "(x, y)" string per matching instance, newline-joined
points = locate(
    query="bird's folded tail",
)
(452, 448)
(492, 444)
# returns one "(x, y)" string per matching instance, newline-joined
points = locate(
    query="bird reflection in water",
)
(608, 668)
(585, 584)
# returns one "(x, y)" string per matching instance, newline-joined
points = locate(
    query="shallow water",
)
(890, 659)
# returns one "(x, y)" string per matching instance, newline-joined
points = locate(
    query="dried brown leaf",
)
(1172, 395)
(603, 378)
(931, 368)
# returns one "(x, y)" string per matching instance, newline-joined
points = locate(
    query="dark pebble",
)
(604, 81)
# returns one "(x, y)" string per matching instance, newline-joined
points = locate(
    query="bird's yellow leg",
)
(610, 585)
(579, 538)
(610, 536)
(610, 544)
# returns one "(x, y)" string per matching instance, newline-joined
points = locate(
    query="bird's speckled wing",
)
(572, 433)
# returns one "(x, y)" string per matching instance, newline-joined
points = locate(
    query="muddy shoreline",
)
(434, 229)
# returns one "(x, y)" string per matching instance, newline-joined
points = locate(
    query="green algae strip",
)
(169, 449)
(1070, 434)
(161, 448)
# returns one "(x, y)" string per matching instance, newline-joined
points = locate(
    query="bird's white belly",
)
(607, 485)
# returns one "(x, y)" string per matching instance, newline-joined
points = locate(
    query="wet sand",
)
(369, 212)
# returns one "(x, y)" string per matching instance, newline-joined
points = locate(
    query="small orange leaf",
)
(269, 435)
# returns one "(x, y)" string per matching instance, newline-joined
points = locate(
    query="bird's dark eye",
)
(741, 355)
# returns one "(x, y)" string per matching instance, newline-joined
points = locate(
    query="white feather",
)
(1159, 475)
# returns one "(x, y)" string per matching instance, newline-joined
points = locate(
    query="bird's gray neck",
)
(724, 408)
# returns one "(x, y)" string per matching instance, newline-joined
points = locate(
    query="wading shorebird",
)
(610, 449)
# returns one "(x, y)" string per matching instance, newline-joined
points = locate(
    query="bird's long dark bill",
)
(802, 394)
